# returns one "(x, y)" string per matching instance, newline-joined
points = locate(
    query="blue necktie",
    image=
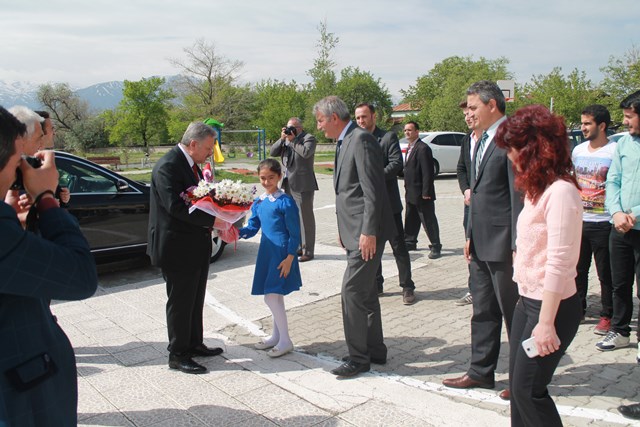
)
(480, 151)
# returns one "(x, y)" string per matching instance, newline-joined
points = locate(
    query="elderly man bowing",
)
(362, 210)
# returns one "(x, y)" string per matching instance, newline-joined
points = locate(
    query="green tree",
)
(438, 93)
(622, 77)
(76, 127)
(142, 114)
(276, 102)
(570, 94)
(323, 76)
(356, 86)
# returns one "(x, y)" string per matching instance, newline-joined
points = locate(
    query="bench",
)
(106, 160)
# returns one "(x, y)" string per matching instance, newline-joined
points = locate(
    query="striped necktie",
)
(480, 151)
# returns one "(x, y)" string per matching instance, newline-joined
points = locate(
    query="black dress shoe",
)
(411, 247)
(204, 351)
(350, 369)
(374, 360)
(630, 411)
(186, 365)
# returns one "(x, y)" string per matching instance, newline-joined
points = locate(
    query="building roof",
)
(403, 107)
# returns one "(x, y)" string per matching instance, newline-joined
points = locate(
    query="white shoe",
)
(262, 345)
(465, 300)
(612, 341)
(275, 352)
(638, 355)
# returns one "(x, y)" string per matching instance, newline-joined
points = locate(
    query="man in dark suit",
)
(463, 172)
(38, 379)
(493, 213)
(180, 244)
(392, 158)
(420, 193)
(362, 211)
(297, 149)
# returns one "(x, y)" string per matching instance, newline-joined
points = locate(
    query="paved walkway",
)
(120, 340)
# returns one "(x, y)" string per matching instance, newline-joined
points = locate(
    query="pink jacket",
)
(548, 242)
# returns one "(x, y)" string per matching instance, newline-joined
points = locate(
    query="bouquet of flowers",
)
(227, 200)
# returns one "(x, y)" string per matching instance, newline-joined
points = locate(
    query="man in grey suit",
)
(362, 210)
(297, 150)
(493, 212)
(392, 157)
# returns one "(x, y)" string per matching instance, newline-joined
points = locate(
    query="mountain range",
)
(101, 96)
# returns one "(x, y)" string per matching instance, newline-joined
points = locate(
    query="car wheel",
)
(217, 248)
(436, 168)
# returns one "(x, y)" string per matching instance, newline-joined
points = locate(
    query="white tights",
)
(280, 336)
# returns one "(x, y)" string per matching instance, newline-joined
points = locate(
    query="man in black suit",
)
(362, 210)
(463, 172)
(493, 213)
(420, 193)
(180, 244)
(392, 157)
(38, 378)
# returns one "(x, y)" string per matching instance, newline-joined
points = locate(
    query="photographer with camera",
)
(38, 380)
(62, 193)
(39, 136)
(297, 150)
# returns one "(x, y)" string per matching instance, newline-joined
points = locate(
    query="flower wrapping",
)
(229, 213)
(227, 200)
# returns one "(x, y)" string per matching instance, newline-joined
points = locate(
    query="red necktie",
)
(195, 172)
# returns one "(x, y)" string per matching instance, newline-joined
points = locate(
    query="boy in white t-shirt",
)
(591, 160)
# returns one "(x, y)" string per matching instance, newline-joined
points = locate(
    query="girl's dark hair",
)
(272, 164)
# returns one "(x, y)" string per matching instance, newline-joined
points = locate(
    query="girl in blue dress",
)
(277, 270)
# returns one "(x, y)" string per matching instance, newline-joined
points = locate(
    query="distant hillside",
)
(18, 93)
(101, 96)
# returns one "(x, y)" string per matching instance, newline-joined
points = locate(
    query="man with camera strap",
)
(297, 150)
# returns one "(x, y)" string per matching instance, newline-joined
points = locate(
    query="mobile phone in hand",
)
(530, 348)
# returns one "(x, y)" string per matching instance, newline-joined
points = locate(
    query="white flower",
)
(230, 192)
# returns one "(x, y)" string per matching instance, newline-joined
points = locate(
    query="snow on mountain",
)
(101, 96)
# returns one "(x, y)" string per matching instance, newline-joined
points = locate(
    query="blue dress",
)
(277, 215)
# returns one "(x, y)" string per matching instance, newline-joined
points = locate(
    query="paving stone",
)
(374, 414)
(297, 413)
(266, 398)
(239, 382)
(106, 419)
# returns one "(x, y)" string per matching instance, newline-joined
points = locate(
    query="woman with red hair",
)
(548, 244)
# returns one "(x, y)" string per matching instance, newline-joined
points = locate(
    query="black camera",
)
(34, 162)
(290, 130)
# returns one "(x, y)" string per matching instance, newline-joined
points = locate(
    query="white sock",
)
(275, 302)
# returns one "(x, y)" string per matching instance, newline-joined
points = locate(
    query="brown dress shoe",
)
(466, 381)
(505, 394)
(305, 258)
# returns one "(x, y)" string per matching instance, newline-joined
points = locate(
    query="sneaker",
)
(612, 341)
(638, 355)
(603, 326)
(465, 300)
(408, 297)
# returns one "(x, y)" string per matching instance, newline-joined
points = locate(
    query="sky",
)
(84, 42)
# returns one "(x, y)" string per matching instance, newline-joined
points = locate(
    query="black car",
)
(113, 210)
